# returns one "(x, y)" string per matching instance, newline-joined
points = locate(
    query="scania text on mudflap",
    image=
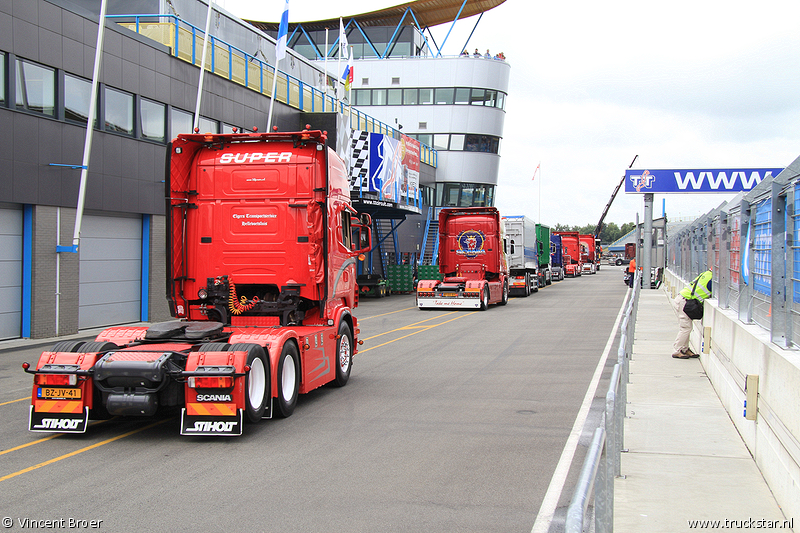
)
(262, 244)
(471, 260)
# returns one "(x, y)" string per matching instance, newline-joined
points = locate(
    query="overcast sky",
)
(681, 84)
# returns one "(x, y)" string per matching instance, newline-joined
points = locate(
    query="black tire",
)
(504, 298)
(485, 298)
(98, 410)
(256, 382)
(536, 285)
(215, 347)
(288, 380)
(527, 284)
(344, 354)
(619, 262)
(97, 346)
(67, 346)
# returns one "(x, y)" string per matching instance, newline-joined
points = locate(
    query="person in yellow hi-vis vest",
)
(692, 296)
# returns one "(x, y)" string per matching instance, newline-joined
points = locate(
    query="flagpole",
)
(280, 52)
(87, 144)
(272, 98)
(339, 62)
(540, 194)
(202, 68)
(325, 85)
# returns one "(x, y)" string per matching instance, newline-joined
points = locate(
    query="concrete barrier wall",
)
(736, 350)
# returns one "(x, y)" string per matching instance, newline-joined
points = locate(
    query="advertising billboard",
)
(696, 180)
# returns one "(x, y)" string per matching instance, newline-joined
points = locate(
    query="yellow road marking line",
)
(76, 452)
(15, 401)
(410, 325)
(409, 335)
(384, 314)
(21, 446)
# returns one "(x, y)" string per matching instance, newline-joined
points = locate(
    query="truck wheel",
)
(536, 284)
(527, 284)
(504, 298)
(256, 382)
(344, 355)
(98, 410)
(67, 346)
(288, 380)
(485, 298)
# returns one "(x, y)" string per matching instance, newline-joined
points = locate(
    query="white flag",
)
(342, 40)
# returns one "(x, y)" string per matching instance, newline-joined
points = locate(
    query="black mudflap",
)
(59, 422)
(215, 426)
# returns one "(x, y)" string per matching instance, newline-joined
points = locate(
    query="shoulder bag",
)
(693, 307)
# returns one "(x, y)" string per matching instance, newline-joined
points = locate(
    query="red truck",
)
(261, 281)
(571, 249)
(589, 258)
(471, 260)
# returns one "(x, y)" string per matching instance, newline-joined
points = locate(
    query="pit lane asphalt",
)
(451, 421)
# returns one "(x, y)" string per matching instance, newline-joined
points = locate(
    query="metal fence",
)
(602, 463)
(752, 245)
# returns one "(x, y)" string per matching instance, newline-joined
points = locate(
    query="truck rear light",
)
(62, 380)
(211, 382)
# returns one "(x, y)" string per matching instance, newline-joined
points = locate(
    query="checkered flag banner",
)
(359, 161)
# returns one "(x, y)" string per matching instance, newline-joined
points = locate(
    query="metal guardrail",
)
(602, 463)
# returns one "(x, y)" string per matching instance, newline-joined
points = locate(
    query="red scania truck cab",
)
(262, 244)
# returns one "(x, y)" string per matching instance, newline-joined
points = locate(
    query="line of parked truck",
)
(484, 258)
(262, 248)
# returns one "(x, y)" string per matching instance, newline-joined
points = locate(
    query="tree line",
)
(610, 232)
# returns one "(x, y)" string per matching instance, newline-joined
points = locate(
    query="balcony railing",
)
(185, 41)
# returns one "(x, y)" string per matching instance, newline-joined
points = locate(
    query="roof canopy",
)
(429, 13)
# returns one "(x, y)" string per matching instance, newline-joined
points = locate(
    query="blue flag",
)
(283, 32)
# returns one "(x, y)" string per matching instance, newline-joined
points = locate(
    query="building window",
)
(378, 96)
(457, 141)
(501, 100)
(395, 97)
(482, 143)
(478, 96)
(207, 125)
(119, 111)
(153, 121)
(425, 96)
(464, 194)
(180, 122)
(2, 79)
(424, 138)
(77, 95)
(36, 88)
(444, 96)
(363, 96)
(410, 96)
(440, 141)
(462, 95)
(491, 98)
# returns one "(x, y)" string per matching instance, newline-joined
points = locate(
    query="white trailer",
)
(519, 237)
